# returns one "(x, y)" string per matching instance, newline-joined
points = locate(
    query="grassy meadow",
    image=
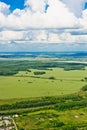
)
(54, 120)
(26, 84)
(46, 95)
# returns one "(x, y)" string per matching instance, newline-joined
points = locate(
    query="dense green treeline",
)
(12, 67)
(45, 112)
(59, 103)
(39, 73)
(71, 105)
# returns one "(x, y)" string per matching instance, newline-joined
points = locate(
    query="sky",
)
(43, 25)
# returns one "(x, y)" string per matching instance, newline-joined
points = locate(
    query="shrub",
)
(86, 78)
(69, 127)
(51, 77)
(55, 124)
(84, 88)
(28, 70)
(39, 72)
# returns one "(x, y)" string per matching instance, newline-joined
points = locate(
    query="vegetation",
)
(58, 103)
(63, 112)
(84, 88)
(52, 83)
(45, 94)
(8, 67)
(85, 78)
(39, 72)
(52, 77)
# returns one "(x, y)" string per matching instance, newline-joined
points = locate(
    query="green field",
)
(54, 120)
(46, 95)
(48, 113)
(26, 84)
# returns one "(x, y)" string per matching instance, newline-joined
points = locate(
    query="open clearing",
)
(24, 85)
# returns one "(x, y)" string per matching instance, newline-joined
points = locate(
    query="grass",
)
(24, 85)
(45, 118)
(63, 90)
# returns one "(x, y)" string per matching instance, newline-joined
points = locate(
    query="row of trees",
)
(61, 103)
(71, 105)
(26, 104)
(39, 72)
(12, 67)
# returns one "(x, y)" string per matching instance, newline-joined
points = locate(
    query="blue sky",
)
(20, 4)
(43, 25)
(85, 6)
(14, 4)
(17, 4)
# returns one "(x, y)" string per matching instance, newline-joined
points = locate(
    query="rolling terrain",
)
(44, 93)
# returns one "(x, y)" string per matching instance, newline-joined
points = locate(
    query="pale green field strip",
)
(58, 73)
(24, 87)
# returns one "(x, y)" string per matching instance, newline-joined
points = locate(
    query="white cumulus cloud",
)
(4, 8)
(76, 6)
(83, 20)
(36, 5)
(44, 21)
(34, 16)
